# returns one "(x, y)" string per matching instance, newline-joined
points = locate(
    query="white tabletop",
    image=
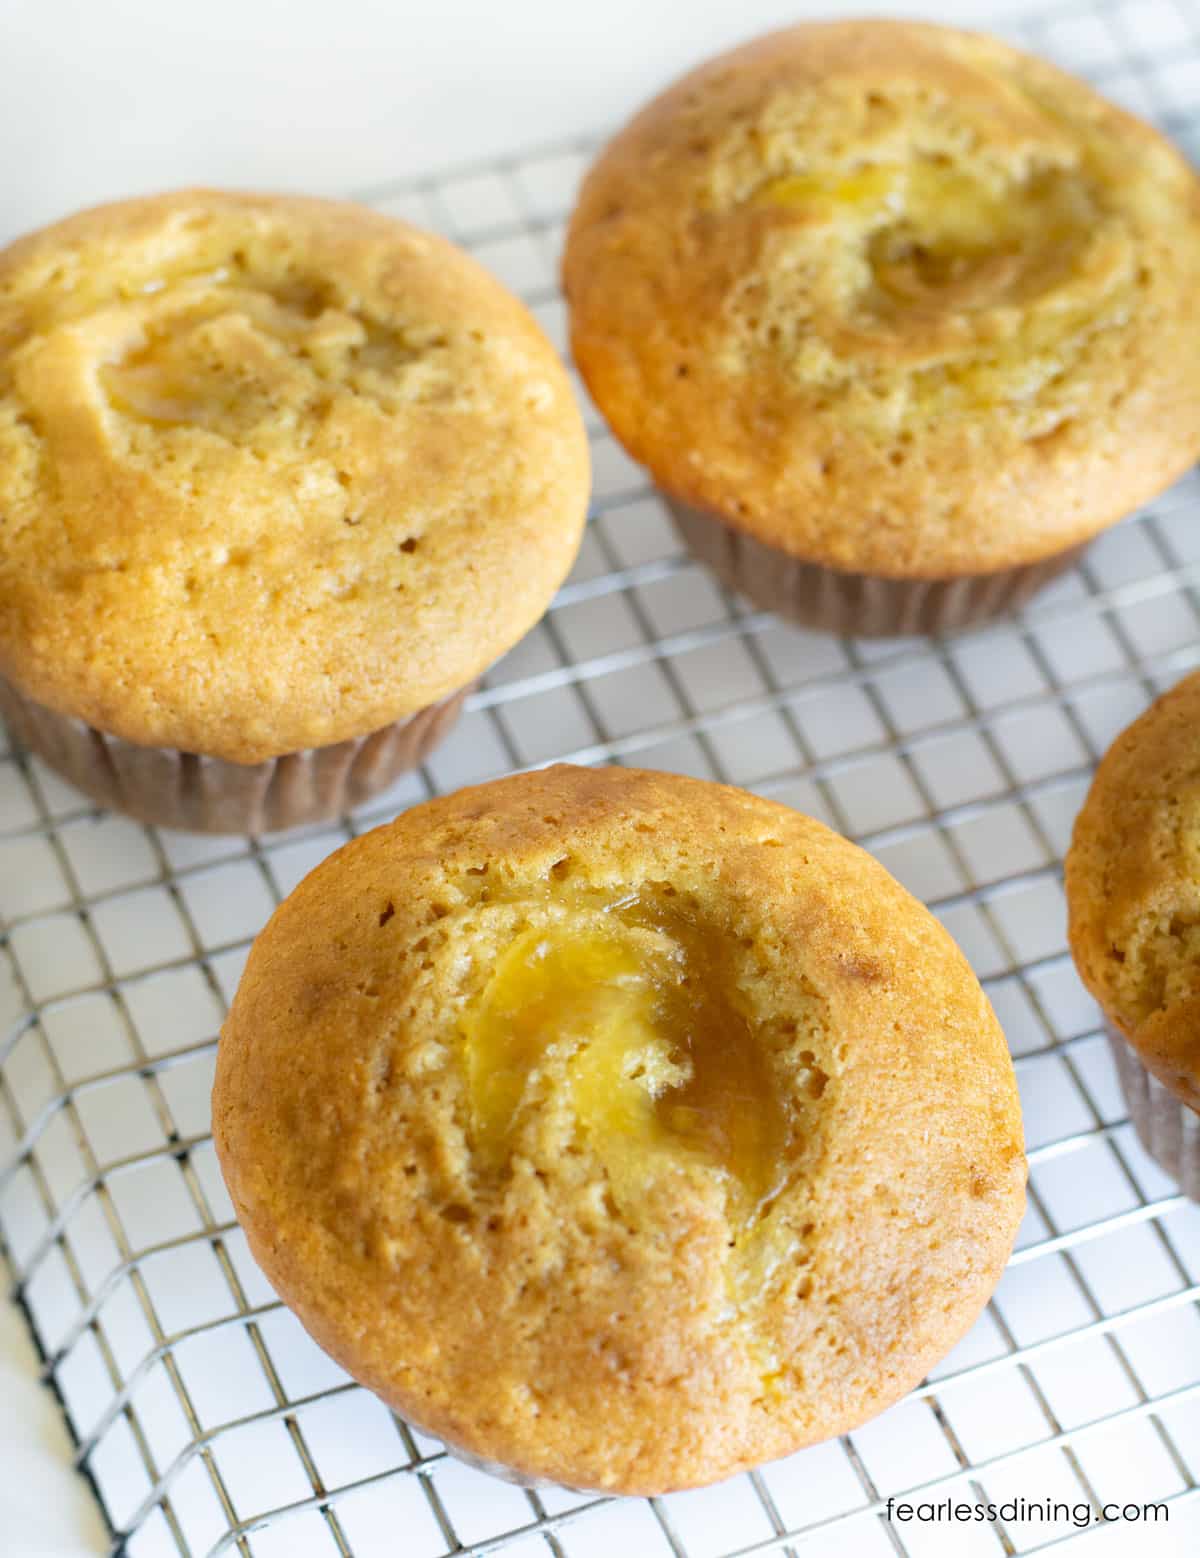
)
(328, 96)
(45, 1511)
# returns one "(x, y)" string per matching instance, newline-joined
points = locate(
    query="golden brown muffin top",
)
(274, 472)
(893, 297)
(621, 1128)
(1133, 887)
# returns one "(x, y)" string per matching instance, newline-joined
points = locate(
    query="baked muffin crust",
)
(1133, 888)
(638, 1269)
(274, 472)
(893, 298)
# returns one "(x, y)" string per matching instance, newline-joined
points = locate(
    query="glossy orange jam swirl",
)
(627, 1015)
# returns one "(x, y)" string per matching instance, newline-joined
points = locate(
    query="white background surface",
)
(44, 1510)
(122, 96)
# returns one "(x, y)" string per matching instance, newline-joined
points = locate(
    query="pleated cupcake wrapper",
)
(209, 795)
(862, 605)
(507, 1474)
(490, 1468)
(497, 1469)
(1166, 1127)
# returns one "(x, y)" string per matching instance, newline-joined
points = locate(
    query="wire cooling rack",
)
(206, 1420)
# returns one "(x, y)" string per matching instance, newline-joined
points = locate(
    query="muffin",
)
(898, 318)
(279, 478)
(1133, 895)
(620, 1129)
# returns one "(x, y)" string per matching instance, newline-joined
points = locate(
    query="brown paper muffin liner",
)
(498, 1469)
(1165, 1126)
(490, 1468)
(860, 605)
(209, 795)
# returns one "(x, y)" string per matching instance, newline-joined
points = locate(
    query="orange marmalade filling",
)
(934, 230)
(224, 349)
(631, 1021)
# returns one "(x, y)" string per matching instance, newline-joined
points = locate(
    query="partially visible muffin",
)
(897, 316)
(1133, 892)
(619, 1128)
(278, 476)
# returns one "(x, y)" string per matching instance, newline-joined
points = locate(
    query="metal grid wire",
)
(206, 1420)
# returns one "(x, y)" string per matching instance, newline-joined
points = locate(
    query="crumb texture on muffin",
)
(621, 1128)
(274, 472)
(1133, 887)
(894, 298)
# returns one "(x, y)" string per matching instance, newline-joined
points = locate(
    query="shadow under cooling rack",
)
(206, 1419)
